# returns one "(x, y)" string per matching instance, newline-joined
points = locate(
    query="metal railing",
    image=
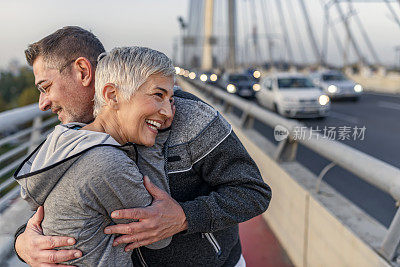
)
(19, 144)
(374, 171)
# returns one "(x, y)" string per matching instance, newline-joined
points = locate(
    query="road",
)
(380, 114)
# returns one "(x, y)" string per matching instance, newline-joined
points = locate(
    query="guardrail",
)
(20, 143)
(374, 171)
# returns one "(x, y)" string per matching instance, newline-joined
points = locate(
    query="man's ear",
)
(110, 95)
(84, 70)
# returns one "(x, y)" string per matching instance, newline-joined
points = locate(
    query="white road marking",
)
(344, 117)
(391, 105)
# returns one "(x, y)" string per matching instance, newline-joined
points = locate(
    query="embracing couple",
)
(139, 173)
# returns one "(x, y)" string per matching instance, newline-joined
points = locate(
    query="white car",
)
(336, 85)
(293, 95)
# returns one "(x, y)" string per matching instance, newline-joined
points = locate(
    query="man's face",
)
(65, 95)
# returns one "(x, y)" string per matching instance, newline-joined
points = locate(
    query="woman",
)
(82, 173)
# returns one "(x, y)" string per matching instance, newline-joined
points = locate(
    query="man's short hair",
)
(65, 45)
(128, 68)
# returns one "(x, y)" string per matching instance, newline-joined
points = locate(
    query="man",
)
(214, 183)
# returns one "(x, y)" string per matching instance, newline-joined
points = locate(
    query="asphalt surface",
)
(380, 114)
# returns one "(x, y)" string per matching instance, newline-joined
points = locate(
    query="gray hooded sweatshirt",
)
(80, 177)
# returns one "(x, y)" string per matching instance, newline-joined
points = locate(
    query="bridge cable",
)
(297, 33)
(285, 31)
(197, 51)
(395, 17)
(189, 31)
(267, 27)
(331, 27)
(310, 31)
(250, 30)
(244, 47)
(364, 33)
(246, 34)
(349, 33)
(255, 32)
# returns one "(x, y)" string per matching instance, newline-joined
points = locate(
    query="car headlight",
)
(323, 100)
(256, 87)
(203, 77)
(192, 75)
(231, 88)
(358, 88)
(213, 77)
(256, 74)
(332, 89)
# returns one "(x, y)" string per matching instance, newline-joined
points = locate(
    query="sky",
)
(151, 23)
(154, 23)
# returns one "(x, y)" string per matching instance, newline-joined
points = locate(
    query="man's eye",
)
(159, 94)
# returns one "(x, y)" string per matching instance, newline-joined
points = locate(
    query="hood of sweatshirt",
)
(42, 169)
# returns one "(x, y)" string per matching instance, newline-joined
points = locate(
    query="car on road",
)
(239, 84)
(293, 95)
(336, 85)
(209, 77)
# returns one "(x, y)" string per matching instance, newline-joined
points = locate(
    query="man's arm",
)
(239, 195)
(38, 250)
(162, 219)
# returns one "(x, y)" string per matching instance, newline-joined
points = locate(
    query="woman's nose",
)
(166, 109)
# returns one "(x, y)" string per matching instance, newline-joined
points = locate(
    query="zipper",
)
(213, 241)
(141, 259)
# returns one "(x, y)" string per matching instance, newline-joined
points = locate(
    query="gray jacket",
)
(81, 177)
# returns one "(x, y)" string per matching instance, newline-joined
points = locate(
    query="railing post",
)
(247, 121)
(227, 107)
(36, 132)
(286, 150)
(391, 243)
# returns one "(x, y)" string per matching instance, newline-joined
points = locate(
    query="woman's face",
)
(147, 110)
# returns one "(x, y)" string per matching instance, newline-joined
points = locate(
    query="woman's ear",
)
(110, 95)
(84, 70)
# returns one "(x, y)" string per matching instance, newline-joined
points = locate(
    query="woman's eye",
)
(159, 94)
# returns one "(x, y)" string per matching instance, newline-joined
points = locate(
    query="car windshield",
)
(239, 78)
(288, 83)
(333, 77)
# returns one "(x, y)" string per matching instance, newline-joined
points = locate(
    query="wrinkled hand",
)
(168, 122)
(162, 219)
(38, 250)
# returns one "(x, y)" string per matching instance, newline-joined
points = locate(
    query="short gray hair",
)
(128, 68)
